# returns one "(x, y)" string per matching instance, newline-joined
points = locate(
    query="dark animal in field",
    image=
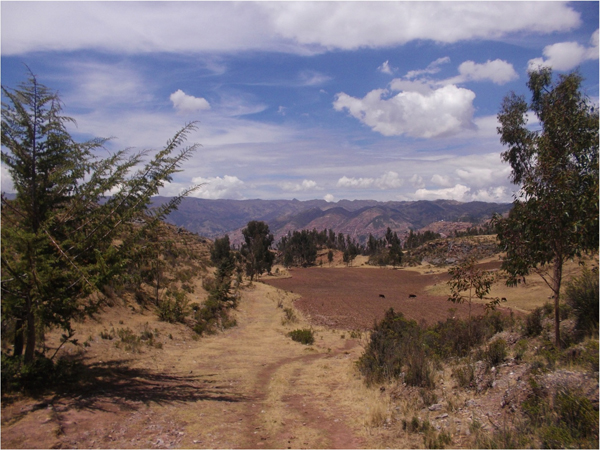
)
(381, 296)
(412, 296)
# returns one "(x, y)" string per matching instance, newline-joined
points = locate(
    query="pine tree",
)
(59, 236)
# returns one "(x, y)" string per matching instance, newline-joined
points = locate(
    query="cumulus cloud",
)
(417, 181)
(565, 56)
(497, 71)
(441, 180)
(217, 187)
(459, 192)
(389, 180)
(386, 68)
(295, 27)
(306, 185)
(185, 103)
(440, 112)
(329, 198)
(463, 193)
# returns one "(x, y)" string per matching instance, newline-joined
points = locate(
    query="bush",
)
(464, 375)
(174, 307)
(533, 323)
(582, 295)
(304, 336)
(389, 345)
(496, 352)
(37, 376)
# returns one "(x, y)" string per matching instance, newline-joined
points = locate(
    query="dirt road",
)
(250, 387)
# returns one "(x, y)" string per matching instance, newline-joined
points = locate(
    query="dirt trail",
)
(250, 387)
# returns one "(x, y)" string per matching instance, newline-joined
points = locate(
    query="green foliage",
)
(305, 336)
(59, 236)
(174, 307)
(214, 314)
(533, 323)
(467, 281)
(37, 376)
(566, 420)
(496, 352)
(555, 217)
(582, 295)
(221, 252)
(399, 346)
(256, 248)
(464, 375)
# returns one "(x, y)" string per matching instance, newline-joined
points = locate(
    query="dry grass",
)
(526, 296)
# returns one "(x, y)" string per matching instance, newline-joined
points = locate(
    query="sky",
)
(389, 101)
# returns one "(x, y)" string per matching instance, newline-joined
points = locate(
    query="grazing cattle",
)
(381, 296)
(412, 296)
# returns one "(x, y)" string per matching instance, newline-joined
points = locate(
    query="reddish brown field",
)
(350, 298)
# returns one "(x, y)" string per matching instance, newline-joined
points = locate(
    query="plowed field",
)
(353, 298)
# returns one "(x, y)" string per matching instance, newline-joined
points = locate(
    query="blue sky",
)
(333, 100)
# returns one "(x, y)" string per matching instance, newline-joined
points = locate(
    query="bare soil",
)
(353, 299)
(248, 387)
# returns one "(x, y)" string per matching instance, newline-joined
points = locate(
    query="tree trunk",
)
(556, 289)
(30, 347)
(18, 347)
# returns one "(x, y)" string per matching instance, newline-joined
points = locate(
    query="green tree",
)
(221, 251)
(555, 214)
(467, 281)
(256, 248)
(70, 230)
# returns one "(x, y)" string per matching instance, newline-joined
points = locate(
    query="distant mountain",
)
(357, 218)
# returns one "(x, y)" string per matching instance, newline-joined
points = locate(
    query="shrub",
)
(496, 352)
(174, 307)
(304, 336)
(388, 347)
(129, 341)
(37, 376)
(533, 323)
(582, 295)
(464, 375)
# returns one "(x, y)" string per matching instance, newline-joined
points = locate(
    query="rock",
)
(435, 407)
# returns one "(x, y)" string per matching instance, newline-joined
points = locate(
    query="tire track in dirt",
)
(326, 430)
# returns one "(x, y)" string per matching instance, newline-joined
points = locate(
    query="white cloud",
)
(185, 103)
(217, 187)
(389, 180)
(462, 193)
(441, 112)
(431, 69)
(497, 71)
(312, 78)
(306, 185)
(351, 25)
(441, 180)
(296, 27)
(385, 68)
(417, 181)
(565, 56)
(458, 192)
(355, 183)
(329, 198)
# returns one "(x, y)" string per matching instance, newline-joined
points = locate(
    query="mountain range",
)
(357, 218)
